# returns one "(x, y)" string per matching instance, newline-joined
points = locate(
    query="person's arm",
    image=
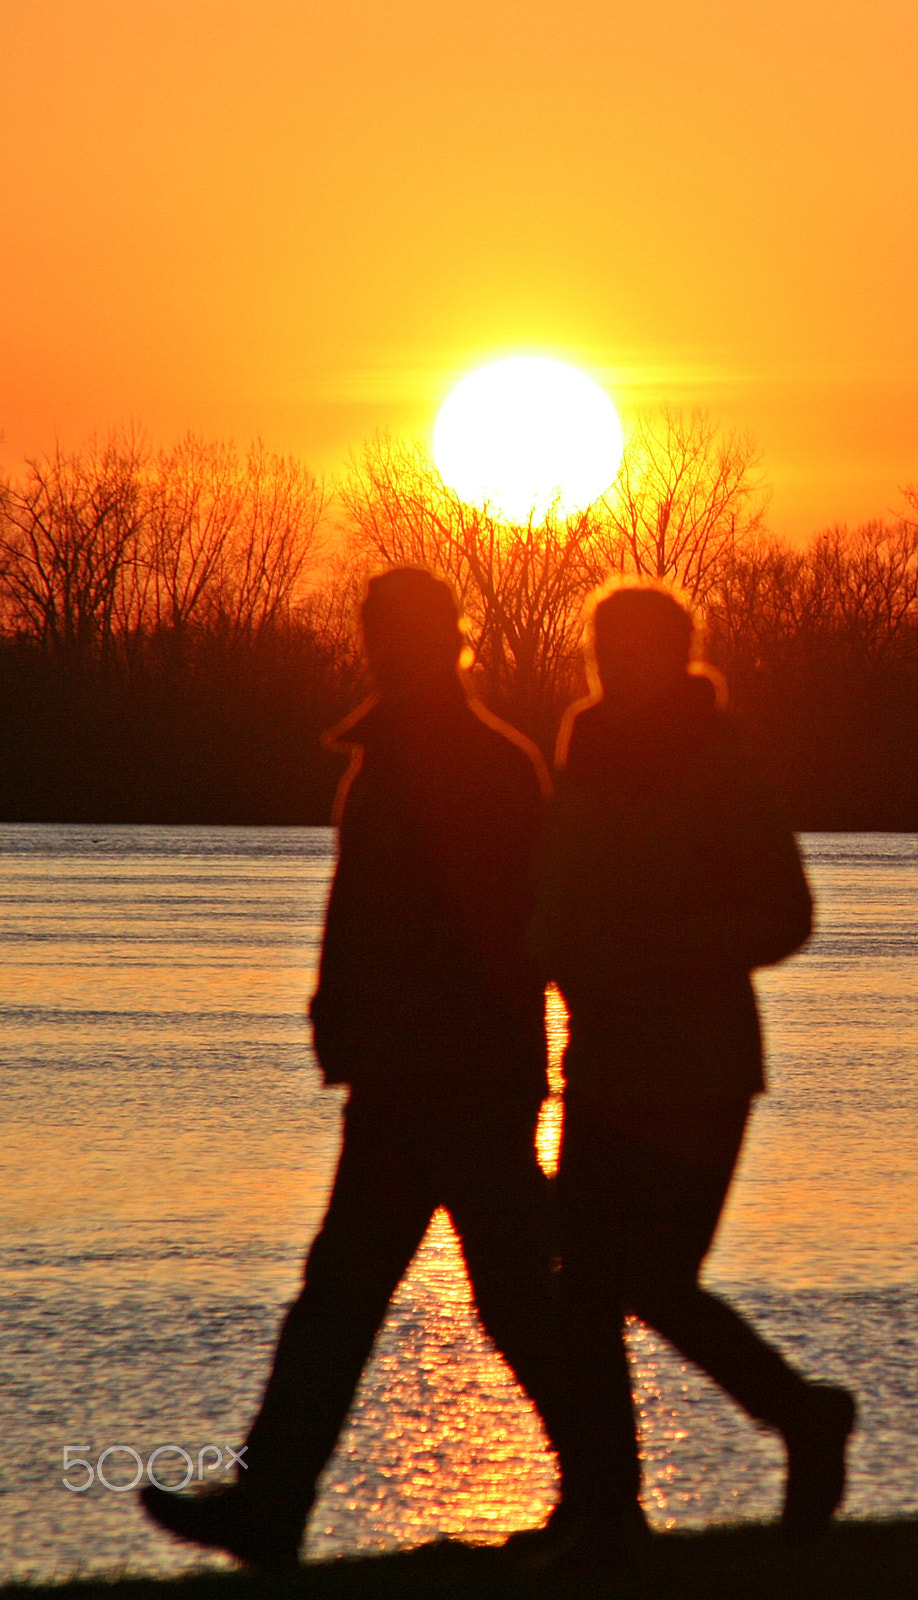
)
(341, 1006)
(754, 906)
(775, 911)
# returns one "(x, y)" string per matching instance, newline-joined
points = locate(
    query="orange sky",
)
(305, 218)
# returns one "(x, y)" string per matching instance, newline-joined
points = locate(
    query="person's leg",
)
(669, 1208)
(603, 1468)
(500, 1204)
(377, 1214)
(670, 1194)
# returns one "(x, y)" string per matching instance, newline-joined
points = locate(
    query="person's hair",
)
(653, 620)
(645, 612)
(411, 623)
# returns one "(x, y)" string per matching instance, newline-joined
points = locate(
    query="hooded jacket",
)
(668, 874)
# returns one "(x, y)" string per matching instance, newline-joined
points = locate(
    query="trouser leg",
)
(500, 1206)
(709, 1332)
(669, 1209)
(502, 1214)
(376, 1218)
(603, 1469)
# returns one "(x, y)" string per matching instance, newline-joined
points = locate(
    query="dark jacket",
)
(668, 874)
(424, 980)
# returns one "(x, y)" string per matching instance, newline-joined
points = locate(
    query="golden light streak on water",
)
(551, 1119)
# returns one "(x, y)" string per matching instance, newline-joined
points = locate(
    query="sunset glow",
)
(301, 223)
(528, 435)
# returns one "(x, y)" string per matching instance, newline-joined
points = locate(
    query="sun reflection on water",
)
(440, 1441)
(551, 1118)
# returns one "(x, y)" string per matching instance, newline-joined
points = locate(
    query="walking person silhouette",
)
(668, 875)
(429, 1007)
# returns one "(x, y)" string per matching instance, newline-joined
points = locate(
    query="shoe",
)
(536, 1549)
(223, 1520)
(570, 1539)
(816, 1462)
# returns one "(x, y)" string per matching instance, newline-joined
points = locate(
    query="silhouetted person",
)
(669, 875)
(429, 1008)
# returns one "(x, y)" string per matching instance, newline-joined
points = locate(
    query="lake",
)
(166, 1150)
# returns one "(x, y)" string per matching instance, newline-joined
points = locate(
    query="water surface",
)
(166, 1149)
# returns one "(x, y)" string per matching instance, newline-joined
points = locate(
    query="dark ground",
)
(855, 1561)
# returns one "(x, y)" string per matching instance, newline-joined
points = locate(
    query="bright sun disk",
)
(527, 435)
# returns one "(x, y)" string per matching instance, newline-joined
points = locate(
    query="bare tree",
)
(194, 504)
(230, 540)
(273, 540)
(686, 497)
(763, 596)
(329, 611)
(845, 605)
(871, 575)
(70, 542)
(521, 585)
(102, 547)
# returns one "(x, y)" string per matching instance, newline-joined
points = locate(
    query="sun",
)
(528, 435)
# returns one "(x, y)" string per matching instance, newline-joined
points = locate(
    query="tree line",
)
(178, 627)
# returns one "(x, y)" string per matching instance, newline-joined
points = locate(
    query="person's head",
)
(411, 632)
(641, 642)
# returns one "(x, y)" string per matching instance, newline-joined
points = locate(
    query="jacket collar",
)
(381, 715)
